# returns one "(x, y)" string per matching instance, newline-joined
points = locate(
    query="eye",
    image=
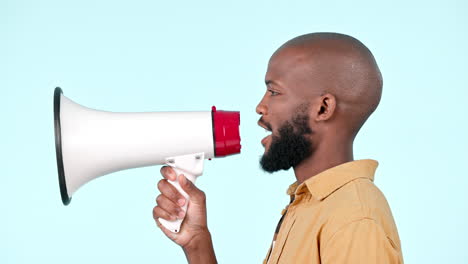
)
(272, 93)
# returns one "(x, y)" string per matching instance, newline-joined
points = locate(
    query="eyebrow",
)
(268, 82)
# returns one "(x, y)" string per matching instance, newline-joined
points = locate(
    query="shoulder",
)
(359, 201)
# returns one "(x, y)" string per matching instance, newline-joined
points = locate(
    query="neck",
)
(327, 155)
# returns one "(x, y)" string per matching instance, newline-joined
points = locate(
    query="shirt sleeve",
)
(362, 241)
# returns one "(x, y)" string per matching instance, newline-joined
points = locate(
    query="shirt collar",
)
(328, 181)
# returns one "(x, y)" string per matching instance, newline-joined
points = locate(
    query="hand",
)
(169, 207)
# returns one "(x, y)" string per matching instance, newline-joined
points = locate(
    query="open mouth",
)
(266, 139)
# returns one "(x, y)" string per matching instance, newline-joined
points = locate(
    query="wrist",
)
(200, 249)
(201, 239)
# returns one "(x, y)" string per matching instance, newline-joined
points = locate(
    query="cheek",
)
(279, 109)
(279, 116)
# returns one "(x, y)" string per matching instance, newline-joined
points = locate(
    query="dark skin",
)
(337, 77)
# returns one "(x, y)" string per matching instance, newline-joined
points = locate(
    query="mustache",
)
(267, 125)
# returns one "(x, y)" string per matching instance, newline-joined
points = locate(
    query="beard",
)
(291, 146)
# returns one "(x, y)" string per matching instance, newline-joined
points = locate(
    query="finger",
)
(196, 195)
(171, 192)
(170, 207)
(158, 212)
(168, 173)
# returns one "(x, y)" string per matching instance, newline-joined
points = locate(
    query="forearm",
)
(200, 250)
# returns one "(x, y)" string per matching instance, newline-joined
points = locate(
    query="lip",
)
(265, 140)
(263, 126)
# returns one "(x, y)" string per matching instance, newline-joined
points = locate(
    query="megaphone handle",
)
(174, 226)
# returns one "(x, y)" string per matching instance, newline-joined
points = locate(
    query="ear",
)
(325, 107)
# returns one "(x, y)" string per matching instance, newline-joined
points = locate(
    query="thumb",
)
(196, 195)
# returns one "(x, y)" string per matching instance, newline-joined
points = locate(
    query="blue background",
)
(183, 56)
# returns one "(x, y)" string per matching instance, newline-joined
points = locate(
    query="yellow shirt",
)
(337, 216)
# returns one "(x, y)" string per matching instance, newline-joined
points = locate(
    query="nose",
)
(261, 108)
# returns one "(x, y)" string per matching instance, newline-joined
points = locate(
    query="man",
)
(321, 88)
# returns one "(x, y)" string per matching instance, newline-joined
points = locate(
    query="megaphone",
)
(91, 143)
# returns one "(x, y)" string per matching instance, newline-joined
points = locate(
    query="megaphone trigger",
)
(191, 166)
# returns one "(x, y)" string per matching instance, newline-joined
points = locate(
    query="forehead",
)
(293, 68)
(286, 60)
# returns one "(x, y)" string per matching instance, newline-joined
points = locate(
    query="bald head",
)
(336, 64)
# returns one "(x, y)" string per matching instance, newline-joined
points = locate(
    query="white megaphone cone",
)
(91, 143)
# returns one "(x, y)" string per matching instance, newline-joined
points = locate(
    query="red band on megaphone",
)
(226, 132)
